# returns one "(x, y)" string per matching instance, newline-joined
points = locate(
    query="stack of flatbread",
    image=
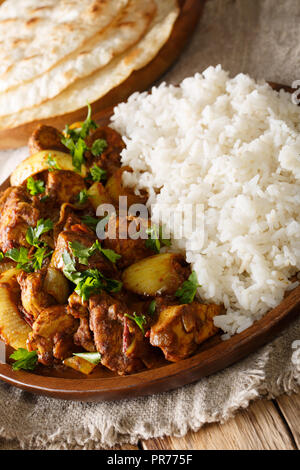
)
(58, 55)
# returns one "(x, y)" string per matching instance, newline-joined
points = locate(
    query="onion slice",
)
(13, 329)
(38, 162)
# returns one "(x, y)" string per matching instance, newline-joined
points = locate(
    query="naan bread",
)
(126, 30)
(95, 86)
(35, 35)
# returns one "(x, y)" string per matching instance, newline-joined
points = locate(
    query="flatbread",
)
(126, 29)
(97, 85)
(36, 35)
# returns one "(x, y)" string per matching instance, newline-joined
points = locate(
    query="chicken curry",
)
(67, 296)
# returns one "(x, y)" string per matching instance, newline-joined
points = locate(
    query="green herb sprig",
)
(35, 187)
(24, 359)
(155, 238)
(140, 320)
(186, 293)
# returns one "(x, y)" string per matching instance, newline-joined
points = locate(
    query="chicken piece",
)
(18, 213)
(118, 339)
(46, 138)
(64, 186)
(118, 239)
(77, 307)
(33, 296)
(67, 219)
(52, 334)
(110, 159)
(181, 328)
(96, 261)
(84, 337)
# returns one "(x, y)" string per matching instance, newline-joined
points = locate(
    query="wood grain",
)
(140, 80)
(258, 428)
(290, 409)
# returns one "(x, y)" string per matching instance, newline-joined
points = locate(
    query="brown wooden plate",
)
(213, 355)
(140, 80)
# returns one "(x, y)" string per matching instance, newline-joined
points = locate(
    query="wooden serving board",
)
(140, 80)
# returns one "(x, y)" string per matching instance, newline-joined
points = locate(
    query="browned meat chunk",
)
(117, 239)
(181, 328)
(96, 261)
(64, 186)
(52, 334)
(77, 307)
(18, 212)
(33, 296)
(46, 138)
(84, 337)
(118, 339)
(110, 159)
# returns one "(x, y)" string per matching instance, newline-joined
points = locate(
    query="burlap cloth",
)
(262, 38)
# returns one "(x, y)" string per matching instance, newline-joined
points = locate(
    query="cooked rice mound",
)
(231, 146)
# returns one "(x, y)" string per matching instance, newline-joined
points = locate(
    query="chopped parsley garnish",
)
(88, 124)
(1, 255)
(92, 357)
(74, 140)
(140, 320)
(111, 255)
(82, 197)
(24, 359)
(20, 256)
(91, 222)
(97, 174)
(90, 281)
(186, 293)
(152, 308)
(98, 147)
(52, 163)
(39, 256)
(35, 187)
(33, 234)
(83, 253)
(155, 238)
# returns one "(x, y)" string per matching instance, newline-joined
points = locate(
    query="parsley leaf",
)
(140, 320)
(33, 234)
(82, 197)
(90, 281)
(155, 238)
(111, 255)
(39, 256)
(186, 293)
(24, 359)
(52, 163)
(92, 357)
(20, 256)
(1, 255)
(98, 174)
(98, 147)
(91, 222)
(82, 252)
(35, 187)
(88, 124)
(74, 140)
(152, 308)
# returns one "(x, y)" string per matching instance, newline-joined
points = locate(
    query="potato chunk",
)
(158, 274)
(181, 328)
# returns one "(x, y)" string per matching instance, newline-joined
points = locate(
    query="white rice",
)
(232, 145)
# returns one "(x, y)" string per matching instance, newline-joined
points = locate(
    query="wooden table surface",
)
(265, 425)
